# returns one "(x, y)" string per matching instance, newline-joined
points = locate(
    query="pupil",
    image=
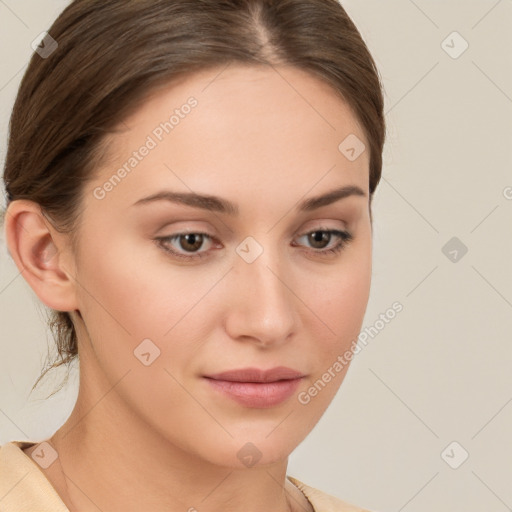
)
(194, 240)
(319, 236)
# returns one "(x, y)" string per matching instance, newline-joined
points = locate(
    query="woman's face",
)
(249, 287)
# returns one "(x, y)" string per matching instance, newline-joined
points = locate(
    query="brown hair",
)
(112, 54)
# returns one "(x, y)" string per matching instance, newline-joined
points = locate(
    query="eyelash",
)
(344, 236)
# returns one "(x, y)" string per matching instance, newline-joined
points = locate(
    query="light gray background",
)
(440, 370)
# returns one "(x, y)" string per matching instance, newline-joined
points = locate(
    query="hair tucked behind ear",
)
(112, 54)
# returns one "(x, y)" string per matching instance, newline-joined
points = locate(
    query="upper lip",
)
(257, 375)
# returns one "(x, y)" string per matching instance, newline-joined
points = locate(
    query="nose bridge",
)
(263, 305)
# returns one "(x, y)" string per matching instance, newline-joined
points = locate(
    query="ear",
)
(41, 254)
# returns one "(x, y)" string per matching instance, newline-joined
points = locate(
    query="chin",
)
(255, 448)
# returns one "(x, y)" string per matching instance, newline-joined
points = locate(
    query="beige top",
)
(25, 488)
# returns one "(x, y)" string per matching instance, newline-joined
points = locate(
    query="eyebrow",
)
(217, 204)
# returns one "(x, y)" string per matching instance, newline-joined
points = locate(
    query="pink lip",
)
(257, 375)
(253, 387)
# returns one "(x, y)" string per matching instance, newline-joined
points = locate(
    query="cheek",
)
(348, 301)
(340, 300)
(135, 286)
(132, 293)
(339, 303)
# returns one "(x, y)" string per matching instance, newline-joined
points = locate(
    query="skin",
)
(158, 437)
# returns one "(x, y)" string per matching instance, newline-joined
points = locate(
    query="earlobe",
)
(38, 251)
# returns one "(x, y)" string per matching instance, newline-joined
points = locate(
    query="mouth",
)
(255, 388)
(257, 375)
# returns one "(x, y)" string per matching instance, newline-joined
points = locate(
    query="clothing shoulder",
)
(323, 502)
(23, 485)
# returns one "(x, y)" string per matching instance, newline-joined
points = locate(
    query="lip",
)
(257, 375)
(257, 388)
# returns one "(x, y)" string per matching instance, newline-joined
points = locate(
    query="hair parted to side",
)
(112, 54)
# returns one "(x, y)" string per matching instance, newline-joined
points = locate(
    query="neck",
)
(116, 461)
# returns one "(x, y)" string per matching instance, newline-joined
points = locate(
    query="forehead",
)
(244, 127)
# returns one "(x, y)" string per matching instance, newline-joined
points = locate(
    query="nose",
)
(262, 308)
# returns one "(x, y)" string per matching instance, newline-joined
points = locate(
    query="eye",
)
(321, 237)
(188, 242)
(180, 244)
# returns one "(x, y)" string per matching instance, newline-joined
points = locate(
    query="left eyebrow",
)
(337, 194)
(217, 204)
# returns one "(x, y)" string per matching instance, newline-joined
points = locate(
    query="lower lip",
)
(257, 394)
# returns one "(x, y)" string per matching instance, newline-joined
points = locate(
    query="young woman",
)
(189, 189)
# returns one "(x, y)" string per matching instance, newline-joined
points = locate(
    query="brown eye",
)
(191, 241)
(319, 239)
(186, 245)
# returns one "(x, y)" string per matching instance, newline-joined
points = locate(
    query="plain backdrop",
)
(422, 421)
